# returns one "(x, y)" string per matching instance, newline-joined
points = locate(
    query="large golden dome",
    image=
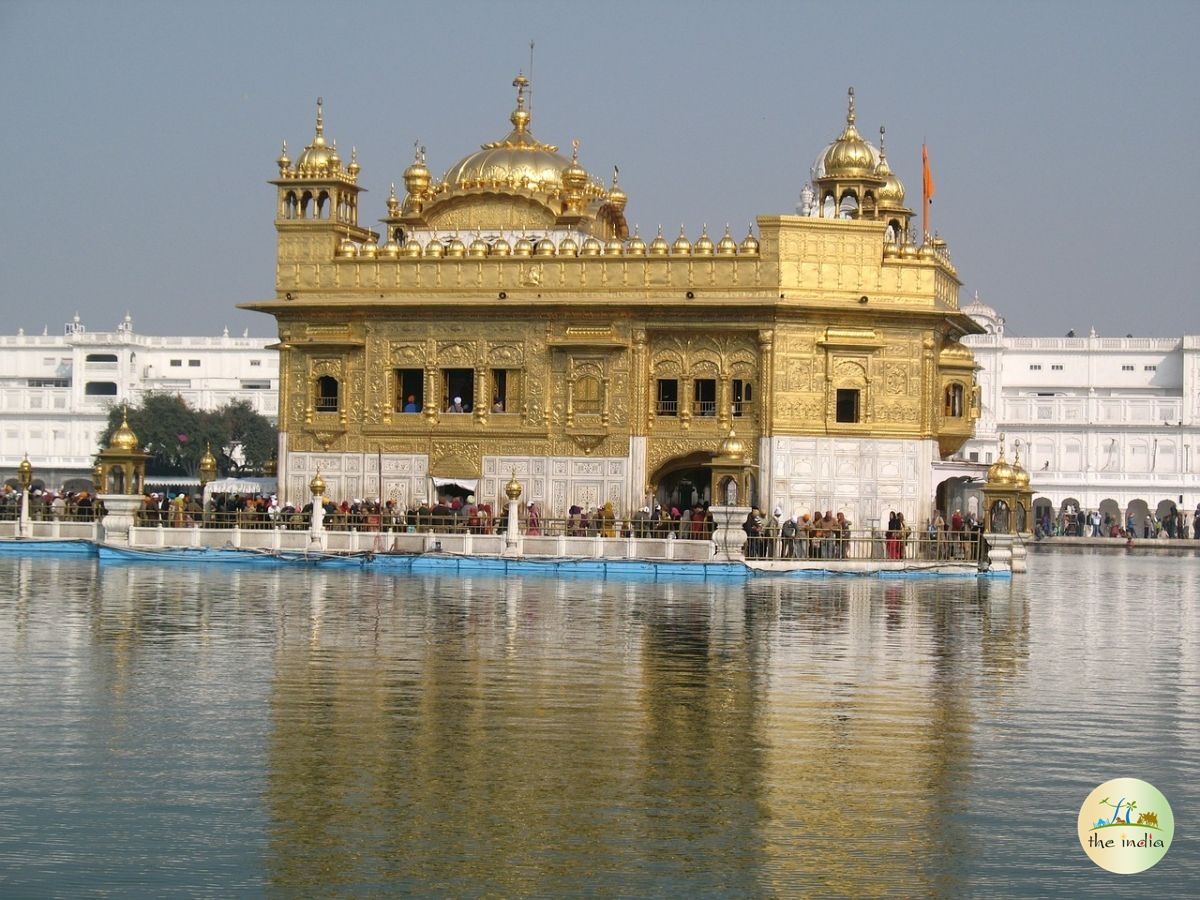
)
(518, 161)
(514, 183)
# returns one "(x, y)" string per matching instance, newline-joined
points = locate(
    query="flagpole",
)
(927, 189)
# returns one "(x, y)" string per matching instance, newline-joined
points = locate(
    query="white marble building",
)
(1104, 423)
(56, 389)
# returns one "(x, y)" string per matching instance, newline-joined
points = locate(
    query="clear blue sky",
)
(138, 137)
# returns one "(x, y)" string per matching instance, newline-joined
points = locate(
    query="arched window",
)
(588, 397)
(954, 401)
(327, 394)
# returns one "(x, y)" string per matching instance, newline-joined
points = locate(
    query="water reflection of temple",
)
(528, 735)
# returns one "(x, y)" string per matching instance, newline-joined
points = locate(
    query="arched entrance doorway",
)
(683, 482)
(962, 493)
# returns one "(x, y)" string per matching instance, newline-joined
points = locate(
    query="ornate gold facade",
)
(513, 283)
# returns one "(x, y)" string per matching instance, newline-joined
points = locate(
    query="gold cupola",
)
(849, 156)
(317, 156)
(891, 193)
(727, 246)
(845, 174)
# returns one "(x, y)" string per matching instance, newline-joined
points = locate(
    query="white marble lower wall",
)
(864, 478)
(554, 483)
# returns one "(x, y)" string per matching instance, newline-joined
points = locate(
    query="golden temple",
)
(504, 319)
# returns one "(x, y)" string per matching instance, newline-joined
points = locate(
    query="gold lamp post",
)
(208, 467)
(316, 488)
(25, 473)
(25, 479)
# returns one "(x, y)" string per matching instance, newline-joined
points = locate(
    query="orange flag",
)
(928, 176)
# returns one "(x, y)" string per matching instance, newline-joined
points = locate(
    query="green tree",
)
(176, 436)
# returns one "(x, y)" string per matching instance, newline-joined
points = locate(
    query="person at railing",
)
(787, 538)
(843, 536)
(607, 523)
(754, 528)
(892, 536)
(905, 533)
(533, 520)
(829, 534)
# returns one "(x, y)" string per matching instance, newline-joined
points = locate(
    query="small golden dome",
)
(412, 247)
(544, 247)
(732, 446)
(317, 156)
(393, 203)
(749, 244)
(354, 168)
(416, 176)
(704, 244)
(659, 246)
(391, 249)
(591, 247)
(891, 249)
(1000, 473)
(478, 247)
(616, 196)
(892, 191)
(347, 248)
(435, 248)
(1020, 476)
(568, 247)
(636, 246)
(284, 160)
(574, 176)
(124, 438)
(369, 249)
(727, 246)
(335, 161)
(523, 247)
(682, 246)
(456, 248)
(849, 156)
(614, 247)
(501, 247)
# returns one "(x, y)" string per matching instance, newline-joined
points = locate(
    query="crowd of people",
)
(45, 505)
(1074, 522)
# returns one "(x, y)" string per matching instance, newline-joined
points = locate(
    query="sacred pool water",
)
(204, 731)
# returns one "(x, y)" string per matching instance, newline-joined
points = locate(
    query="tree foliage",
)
(176, 436)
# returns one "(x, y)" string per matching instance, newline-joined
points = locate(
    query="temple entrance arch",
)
(683, 482)
(962, 493)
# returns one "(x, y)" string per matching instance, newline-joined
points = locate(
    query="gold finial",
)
(316, 487)
(320, 118)
(575, 150)
(850, 110)
(512, 490)
(1002, 445)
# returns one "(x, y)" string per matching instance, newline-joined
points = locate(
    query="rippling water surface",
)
(176, 731)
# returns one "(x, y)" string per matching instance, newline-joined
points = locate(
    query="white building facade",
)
(56, 390)
(1104, 424)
